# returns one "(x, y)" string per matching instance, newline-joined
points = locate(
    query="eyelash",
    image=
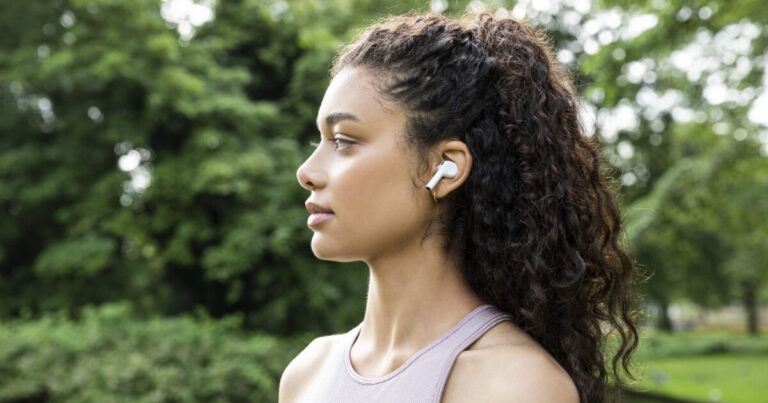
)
(316, 144)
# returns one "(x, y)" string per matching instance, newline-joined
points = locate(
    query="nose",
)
(309, 176)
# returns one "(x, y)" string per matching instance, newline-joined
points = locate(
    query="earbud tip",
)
(451, 169)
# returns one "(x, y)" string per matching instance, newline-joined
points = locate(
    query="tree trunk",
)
(750, 305)
(664, 323)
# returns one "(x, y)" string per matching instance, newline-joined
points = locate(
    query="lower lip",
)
(317, 218)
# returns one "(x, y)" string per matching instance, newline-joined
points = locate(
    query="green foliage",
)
(217, 126)
(108, 355)
(694, 219)
(85, 256)
(702, 231)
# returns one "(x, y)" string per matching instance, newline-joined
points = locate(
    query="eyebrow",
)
(335, 117)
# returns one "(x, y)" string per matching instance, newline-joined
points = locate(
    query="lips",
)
(317, 218)
(318, 213)
(316, 208)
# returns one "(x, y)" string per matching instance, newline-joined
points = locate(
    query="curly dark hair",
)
(535, 228)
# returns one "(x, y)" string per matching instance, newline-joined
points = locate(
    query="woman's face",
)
(362, 173)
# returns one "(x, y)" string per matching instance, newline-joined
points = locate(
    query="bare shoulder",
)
(534, 378)
(301, 369)
(507, 365)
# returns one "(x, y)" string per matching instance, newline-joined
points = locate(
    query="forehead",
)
(352, 92)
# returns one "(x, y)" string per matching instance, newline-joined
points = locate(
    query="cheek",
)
(373, 188)
(378, 200)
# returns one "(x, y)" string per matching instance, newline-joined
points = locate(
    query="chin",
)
(322, 250)
(332, 253)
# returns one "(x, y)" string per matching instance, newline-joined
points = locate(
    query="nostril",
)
(309, 179)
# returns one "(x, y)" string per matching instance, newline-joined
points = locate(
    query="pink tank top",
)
(420, 379)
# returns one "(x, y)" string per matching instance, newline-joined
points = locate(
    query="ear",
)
(457, 152)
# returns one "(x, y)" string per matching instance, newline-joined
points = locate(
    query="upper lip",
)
(316, 208)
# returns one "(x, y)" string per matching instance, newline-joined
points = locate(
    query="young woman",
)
(453, 163)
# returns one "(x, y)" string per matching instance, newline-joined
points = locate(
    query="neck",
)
(414, 296)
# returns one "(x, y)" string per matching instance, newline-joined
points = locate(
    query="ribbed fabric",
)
(420, 379)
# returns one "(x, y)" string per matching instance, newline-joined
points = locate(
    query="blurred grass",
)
(709, 365)
(732, 378)
(656, 344)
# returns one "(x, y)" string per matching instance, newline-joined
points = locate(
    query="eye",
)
(337, 141)
(341, 140)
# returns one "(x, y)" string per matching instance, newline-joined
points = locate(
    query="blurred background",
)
(153, 238)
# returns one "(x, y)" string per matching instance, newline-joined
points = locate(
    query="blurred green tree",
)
(689, 84)
(139, 164)
(702, 230)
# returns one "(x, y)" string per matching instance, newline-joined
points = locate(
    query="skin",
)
(370, 181)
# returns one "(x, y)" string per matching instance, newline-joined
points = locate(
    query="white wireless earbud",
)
(446, 169)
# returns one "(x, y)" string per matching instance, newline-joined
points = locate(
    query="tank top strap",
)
(490, 317)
